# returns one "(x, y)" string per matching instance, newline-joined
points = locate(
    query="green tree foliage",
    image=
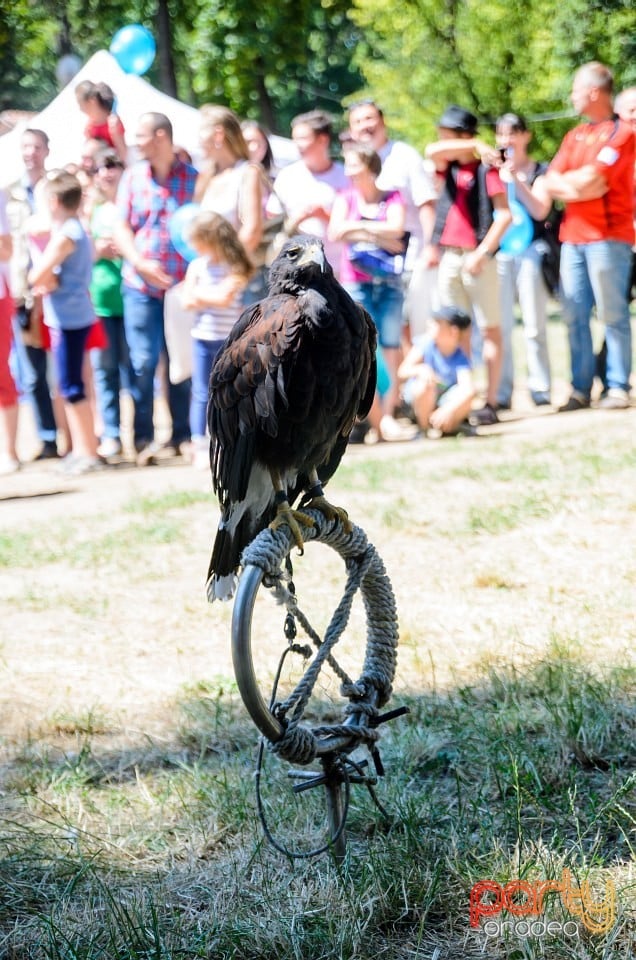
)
(273, 60)
(490, 57)
(598, 30)
(26, 38)
(34, 35)
(267, 60)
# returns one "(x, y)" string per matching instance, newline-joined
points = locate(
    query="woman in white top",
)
(261, 153)
(230, 183)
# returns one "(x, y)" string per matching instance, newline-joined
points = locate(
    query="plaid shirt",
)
(146, 206)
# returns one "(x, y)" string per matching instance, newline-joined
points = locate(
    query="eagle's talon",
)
(331, 512)
(294, 519)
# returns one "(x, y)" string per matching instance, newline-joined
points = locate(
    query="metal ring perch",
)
(262, 559)
(281, 723)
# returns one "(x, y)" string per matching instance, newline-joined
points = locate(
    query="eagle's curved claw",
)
(294, 519)
(331, 512)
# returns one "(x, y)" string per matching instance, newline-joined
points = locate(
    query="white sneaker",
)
(201, 460)
(109, 447)
(615, 399)
(200, 453)
(8, 466)
(392, 431)
(77, 466)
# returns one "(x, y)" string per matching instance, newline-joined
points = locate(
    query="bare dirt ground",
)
(104, 613)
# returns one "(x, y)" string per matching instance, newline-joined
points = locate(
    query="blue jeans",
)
(110, 370)
(597, 273)
(31, 364)
(257, 287)
(384, 300)
(143, 325)
(520, 278)
(203, 356)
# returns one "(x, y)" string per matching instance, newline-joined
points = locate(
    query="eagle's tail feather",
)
(225, 560)
(239, 470)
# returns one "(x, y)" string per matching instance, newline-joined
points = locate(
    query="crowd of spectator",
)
(100, 295)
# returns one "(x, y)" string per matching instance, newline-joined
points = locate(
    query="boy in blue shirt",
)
(439, 381)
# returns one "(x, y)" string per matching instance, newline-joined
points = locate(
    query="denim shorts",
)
(67, 347)
(384, 300)
(413, 387)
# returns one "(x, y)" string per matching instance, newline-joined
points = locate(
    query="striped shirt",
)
(213, 323)
(146, 206)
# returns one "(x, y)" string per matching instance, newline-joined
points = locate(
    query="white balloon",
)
(67, 67)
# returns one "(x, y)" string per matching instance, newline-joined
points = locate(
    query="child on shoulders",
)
(97, 102)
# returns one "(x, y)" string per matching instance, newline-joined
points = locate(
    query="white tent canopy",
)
(64, 123)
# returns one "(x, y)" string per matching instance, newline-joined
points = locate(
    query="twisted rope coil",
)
(365, 572)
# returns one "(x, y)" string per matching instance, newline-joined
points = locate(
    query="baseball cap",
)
(456, 118)
(452, 315)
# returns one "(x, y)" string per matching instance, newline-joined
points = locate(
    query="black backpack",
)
(551, 259)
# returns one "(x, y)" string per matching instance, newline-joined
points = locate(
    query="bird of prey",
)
(285, 390)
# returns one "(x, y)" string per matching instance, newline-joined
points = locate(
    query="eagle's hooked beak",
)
(313, 253)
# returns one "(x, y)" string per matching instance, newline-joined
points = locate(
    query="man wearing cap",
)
(468, 236)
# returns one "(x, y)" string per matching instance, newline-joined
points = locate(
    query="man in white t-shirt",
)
(404, 169)
(305, 190)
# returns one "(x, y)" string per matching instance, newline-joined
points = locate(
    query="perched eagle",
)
(285, 390)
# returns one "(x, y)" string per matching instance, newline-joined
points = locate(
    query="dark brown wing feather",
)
(371, 336)
(285, 396)
(247, 390)
(285, 391)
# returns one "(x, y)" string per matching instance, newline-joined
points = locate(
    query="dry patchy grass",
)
(128, 825)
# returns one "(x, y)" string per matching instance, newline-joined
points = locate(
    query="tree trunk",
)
(264, 101)
(167, 75)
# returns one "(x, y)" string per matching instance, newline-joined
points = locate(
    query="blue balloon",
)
(179, 227)
(134, 48)
(520, 233)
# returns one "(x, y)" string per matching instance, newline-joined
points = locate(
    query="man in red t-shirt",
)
(592, 174)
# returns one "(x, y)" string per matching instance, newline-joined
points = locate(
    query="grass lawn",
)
(128, 821)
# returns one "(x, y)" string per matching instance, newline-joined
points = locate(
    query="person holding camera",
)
(468, 235)
(520, 270)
